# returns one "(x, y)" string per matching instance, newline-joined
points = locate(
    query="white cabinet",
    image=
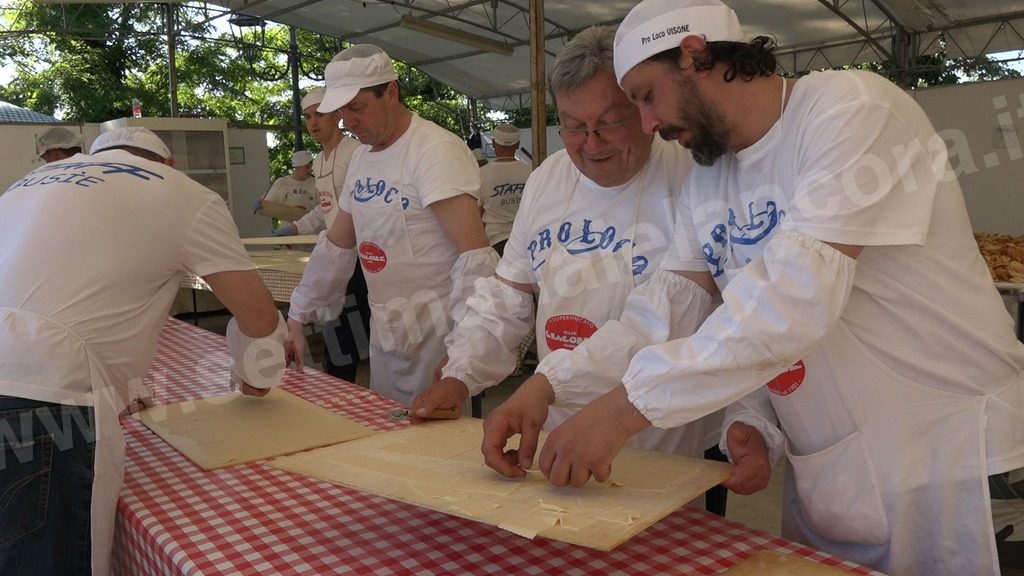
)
(199, 147)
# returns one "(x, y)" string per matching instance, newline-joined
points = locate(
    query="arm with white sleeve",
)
(776, 308)
(320, 295)
(483, 345)
(258, 361)
(460, 219)
(312, 222)
(256, 332)
(472, 275)
(669, 305)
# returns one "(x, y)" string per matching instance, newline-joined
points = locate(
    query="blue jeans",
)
(1008, 513)
(46, 461)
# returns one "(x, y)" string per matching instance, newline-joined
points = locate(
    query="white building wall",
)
(983, 125)
(250, 178)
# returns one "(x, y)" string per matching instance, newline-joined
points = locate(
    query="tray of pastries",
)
(1004, 255)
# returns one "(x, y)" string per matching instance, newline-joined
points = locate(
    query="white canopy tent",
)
(484, 48)
(811, 34)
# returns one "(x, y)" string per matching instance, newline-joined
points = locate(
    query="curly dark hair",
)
(744, 59)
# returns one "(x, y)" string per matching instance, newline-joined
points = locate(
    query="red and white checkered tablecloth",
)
(175, 518)
(280, 270)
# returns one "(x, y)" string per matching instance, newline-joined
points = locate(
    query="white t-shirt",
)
(561, 205)
(854, 160)
(93, 251)
(501, 189)
(425, 165)
(287, 190)
(330, 170)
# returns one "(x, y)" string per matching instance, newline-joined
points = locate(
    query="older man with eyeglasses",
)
(595, 221)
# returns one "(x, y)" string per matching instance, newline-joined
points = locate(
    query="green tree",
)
(939, 69)
(82, 60)
(86, 63)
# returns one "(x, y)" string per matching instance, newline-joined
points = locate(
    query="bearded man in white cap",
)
(58, 143)
(825, 215)
(79, 327)
(408, 213)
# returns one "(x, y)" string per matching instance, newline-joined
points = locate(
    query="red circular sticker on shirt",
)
(372, 256)
(786, 383)
(567, 331)
(326, 201)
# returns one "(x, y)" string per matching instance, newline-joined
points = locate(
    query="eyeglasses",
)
(574, 136)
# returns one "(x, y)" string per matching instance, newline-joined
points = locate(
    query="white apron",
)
(408, 312)
(108, 467)
(107, 403)
(570, 310)
(325, 186)
(864, 490)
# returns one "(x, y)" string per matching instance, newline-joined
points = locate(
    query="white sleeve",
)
(260, 362)
(777, 307)
(470, 265)
(483, 346)
(666, 306)
(312, 222)
(320, 295)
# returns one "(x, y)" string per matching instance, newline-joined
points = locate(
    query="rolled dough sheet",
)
(438, 465)
(280, 211)
(765, 563)
(234, 429)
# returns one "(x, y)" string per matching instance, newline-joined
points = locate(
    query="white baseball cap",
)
(314, 96)
(301, 158)
(653, 26)
(354, 68)
(57, 138)
(505, 134)
(136, 137)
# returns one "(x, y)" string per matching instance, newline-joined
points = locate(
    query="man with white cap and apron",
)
(825, 214)
(408, 213)
(329, 168)
(346, 336)
(596, 221)
(95, 250)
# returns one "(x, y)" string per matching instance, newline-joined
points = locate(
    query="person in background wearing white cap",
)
(58, 143)
(296, 189)
(501, 185)
(95, 249)
(595, 223)
(856, 306)
(345, 337)
(330, 167)
(408, 213)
